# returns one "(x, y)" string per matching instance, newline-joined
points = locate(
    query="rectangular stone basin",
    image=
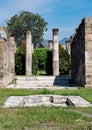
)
(46, 100)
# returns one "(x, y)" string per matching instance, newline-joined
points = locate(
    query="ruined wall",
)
(81, 53)
(88, 51)
(7, 60)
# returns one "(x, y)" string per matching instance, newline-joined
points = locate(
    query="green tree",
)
(49, 60)
(23, 21)
(64, 61)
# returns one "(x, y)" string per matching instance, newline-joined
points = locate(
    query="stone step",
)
(41, 81)
(39, 85)
(41, 78)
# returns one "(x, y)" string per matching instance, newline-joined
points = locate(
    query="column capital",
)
(50, 40)
(55, 31)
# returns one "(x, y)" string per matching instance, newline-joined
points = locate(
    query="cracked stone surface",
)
(46, 100)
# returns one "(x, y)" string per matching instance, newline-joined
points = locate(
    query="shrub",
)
(64, 61)
(34, 64)
(49, 68)
(41, 55)
(19, 62)
(42, 60)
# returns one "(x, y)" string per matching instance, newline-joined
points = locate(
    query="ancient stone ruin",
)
(7, 57)
(79, 47)
(81, 54)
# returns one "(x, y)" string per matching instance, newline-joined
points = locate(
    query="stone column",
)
(55, 53)
(28, 53)
(68, 46)
(12, 50)
(50, 44)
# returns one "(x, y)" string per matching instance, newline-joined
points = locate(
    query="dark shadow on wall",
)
(63, 81)
(78, 56)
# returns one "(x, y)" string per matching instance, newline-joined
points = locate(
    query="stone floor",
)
(46, 100)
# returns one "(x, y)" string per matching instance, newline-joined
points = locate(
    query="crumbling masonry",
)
(81, 54)
(7, 57)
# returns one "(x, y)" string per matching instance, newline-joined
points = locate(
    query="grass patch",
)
(45, 118)
(86, 93)
(41, 117)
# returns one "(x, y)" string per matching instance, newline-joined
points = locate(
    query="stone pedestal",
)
(28, 53)
(50, 44)
(55, 53)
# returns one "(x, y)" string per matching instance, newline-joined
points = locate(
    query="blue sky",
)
(62, 14)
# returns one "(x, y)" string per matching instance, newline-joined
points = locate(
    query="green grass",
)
(22, 118)
(83, 92)
(45, 118)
